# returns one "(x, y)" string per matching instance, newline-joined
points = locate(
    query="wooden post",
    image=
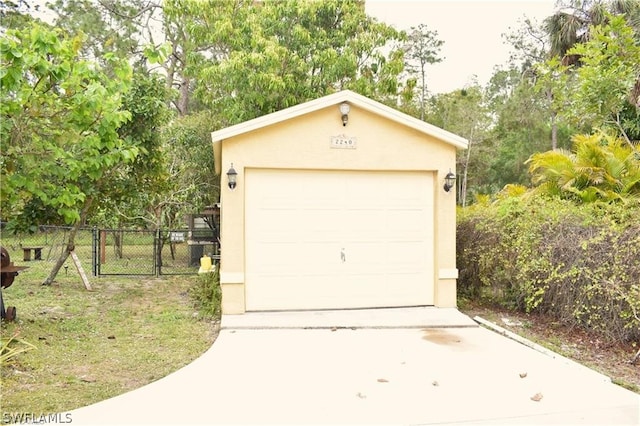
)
(103, 246)
(76, 261)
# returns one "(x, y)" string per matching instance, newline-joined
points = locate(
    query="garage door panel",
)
(328, 291)
(295, 292)
(397, 252)
(280, 202)
(407, 252)
(405, 186)
(340, 240)
(364, 223)
(277, 257)
(408, 220)
(271, 258)
(317, 221)
(360, 199)
(404, 285)
(365, 253)
(299, 225)
(267, 232)
(318, 255)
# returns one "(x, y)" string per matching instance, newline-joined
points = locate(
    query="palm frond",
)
(600, 168)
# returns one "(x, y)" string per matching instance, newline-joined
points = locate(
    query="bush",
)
(207, 294)
(577, 263)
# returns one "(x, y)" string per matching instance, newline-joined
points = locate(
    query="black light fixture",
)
(449, 181)
(231, 176)
(344, 110)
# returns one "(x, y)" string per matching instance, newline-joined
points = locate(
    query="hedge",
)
(579, 264)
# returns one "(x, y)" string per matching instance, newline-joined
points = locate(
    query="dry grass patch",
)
(93, 345)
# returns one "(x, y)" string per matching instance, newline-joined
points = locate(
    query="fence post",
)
(94, 251)
(103, 246)
(157, 251)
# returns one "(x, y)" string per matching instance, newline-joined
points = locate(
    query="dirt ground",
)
(612, 360)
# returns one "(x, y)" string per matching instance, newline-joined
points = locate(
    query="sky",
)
(471, 31)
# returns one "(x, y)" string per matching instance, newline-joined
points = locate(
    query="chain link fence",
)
(117, 251)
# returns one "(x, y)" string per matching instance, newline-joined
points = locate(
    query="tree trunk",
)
(183, 101)
(463, 186)
(423, 95)
(118, 236)
(172, 247)
(160, 242)
(554, 122)
(157, 210)
(71, 244)
(554, 131)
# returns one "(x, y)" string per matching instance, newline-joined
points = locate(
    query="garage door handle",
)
(343, 256)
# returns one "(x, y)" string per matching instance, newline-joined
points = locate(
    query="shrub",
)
(207, 294)
(577, 263)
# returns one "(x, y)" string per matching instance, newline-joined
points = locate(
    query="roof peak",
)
(334, 99)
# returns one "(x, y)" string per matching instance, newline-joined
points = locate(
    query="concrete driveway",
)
(394, 366)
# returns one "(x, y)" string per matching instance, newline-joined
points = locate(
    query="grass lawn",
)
(93, 345)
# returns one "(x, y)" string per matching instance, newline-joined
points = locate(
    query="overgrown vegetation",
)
(207, 294)
(568, 247)
(600, 168)
(575, 262)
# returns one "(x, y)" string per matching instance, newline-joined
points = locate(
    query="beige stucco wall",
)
(304, 143)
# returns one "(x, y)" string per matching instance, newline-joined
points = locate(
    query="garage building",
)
(336, 203)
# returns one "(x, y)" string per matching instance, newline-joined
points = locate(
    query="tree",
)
(530, 44)
(547, 58)
(464, 112)
(521, 127)
(600, 91)
(129, 29)
(60, 118)
(190, 165)
(120, 27)
(605, 95)
(572, 23)
(572, 29)
(531, 48)
(286, 52)
(197, 34)
(422, 49)
(146, 176)
(15, 13)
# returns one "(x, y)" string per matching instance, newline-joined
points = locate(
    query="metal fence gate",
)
(121, 251)
(140, 252)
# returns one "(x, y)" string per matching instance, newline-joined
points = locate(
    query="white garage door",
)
(338, 239)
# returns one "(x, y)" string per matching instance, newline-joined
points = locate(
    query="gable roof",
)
(336, 99)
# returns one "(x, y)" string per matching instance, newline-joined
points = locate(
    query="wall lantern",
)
(344, 110)
(449, 181)
(231, 176)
